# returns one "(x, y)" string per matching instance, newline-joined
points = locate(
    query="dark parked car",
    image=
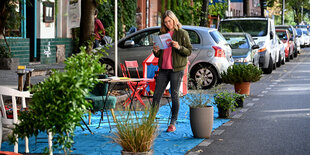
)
(210, 56)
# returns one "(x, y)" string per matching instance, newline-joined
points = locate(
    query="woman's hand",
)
(155, 48)
(175, 44)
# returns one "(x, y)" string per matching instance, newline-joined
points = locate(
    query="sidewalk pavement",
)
(9, 78)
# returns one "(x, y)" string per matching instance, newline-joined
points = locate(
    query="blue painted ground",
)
(178, 142)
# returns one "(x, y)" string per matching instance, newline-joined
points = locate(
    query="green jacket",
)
(179, 57)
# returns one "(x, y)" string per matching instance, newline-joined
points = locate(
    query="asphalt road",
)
(275, 119)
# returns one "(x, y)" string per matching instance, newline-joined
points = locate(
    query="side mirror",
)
(129, 43)
(255, 47)
(271, 35)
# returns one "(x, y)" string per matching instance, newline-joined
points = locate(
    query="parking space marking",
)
(275, 83)
(237, 115)
(268, 88)
(264, 92)
(250, 104)
(271, 85)
(244, 109)
(260, 95)
(194, 153)
(255, 99)
(228, 123)
(217, 132)
(206, 142)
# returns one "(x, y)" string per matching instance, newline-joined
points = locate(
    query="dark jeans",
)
(163, 78)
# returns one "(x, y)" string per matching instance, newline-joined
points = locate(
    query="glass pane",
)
(254, 27)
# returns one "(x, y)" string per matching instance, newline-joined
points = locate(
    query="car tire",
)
(270, 66)
(208, 73)
(292, 56)
(109, 67)
(283, 61)
(279, 60)
(295, 53)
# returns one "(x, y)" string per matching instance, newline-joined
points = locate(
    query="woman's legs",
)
(175, 83)
(161, 84)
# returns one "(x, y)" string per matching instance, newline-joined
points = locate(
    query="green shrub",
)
(241, 73)
(226, 100)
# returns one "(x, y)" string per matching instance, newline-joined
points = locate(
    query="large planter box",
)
(9, 63)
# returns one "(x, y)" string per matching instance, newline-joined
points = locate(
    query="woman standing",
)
(172, 62)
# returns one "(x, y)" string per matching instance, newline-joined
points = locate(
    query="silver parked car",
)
(211, 54)
(244, 49)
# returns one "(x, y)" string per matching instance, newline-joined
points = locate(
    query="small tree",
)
(58, 103)
(8, 18)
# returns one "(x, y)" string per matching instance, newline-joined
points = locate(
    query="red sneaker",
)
(171, 128)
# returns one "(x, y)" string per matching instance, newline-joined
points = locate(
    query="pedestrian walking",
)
(172, 62)
(98, 30)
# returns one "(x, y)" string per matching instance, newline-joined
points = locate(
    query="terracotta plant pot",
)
(201, 120)
(138, 153)
(243, 88)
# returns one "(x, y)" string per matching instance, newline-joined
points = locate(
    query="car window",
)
(255, 28)
(282, 35)
(141, 39)
(217, 36)
(194, 37)
(299, 32)
(237, 41)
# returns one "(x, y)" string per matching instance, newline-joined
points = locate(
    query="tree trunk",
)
(87, 24)
(262, 8)
(204, 13)
(246, 8)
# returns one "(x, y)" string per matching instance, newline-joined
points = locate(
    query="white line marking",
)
(268, 88)
(228, 123)
(244, 109)
(250, 104)
(264, 92)
(237, 115)
(206, 142)
(255, 99)
(217, 132)
(260, 95)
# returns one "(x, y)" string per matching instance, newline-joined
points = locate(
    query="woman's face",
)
(169, 23)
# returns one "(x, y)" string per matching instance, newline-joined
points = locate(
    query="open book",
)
(163, 41)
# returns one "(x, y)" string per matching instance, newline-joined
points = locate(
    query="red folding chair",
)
(137, 88)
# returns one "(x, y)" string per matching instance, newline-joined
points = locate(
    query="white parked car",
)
(263, 33)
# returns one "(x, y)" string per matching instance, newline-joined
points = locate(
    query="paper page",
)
(162, 41)
(165, 40)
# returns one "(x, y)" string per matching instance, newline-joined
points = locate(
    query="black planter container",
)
(223, 113)
(239, 102)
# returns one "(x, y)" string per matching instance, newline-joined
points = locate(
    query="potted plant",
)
(241, 76)
(239, 100)
(58, 103)
(6, 60)
(201, 113)
(136, 134)
(226, 102)
(8, 19)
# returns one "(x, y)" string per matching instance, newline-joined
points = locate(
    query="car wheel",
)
(206, 75)
(283, 61)
(270, 66)
(109, 66)
(295, 53)
(292, 56)
(279, 60)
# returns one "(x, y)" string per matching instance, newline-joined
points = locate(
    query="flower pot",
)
(239, 101)
(223, 113)
(138, 153)
(9, 63)
(243, 88)
(201, 120)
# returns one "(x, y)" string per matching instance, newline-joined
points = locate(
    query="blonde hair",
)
(177, 24)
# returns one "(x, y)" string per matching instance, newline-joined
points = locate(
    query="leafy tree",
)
(8, 18)
(296, 6)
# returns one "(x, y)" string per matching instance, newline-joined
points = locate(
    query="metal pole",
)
(115, 38)
(283, 11)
